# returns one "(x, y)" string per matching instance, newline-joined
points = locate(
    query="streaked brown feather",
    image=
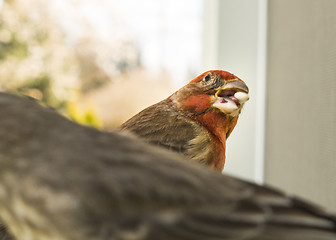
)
(59, 180)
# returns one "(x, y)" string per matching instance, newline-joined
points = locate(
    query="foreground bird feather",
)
(59, 180)
(197, 119)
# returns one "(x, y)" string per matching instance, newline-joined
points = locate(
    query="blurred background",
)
(99, 62)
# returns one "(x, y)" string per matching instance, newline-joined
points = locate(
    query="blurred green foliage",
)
(34, 57)
(85, 116)
(43, 59)
(41, 89)
(12, 48)
(34, 54)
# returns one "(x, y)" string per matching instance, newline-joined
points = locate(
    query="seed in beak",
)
(241, 96)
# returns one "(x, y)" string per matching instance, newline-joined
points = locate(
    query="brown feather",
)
(59, 180)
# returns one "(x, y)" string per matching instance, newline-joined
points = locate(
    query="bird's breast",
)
(216, 128)
(216, 158)
(206, 148)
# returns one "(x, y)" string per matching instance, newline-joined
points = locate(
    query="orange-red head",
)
(214, 89)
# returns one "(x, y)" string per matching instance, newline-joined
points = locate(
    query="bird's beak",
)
(236, 85)
(231, 97)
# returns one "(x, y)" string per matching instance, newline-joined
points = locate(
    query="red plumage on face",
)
(197, 119)
(223, 75)
(196, 103)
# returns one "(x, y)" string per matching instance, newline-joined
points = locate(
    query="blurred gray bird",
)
(60, 180)
(4, 234)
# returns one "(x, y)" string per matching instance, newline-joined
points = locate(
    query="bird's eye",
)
(207, 77)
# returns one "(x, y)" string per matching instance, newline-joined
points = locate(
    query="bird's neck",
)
(218, 124)
(220, 127)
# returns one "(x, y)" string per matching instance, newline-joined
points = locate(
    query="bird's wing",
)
(163, 125)
(267, 214)
(4, 234)
(60, 180)
(152, 196)
(174, 202)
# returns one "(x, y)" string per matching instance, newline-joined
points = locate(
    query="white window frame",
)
(246, 146)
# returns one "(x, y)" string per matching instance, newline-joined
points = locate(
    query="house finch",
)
(59, 180)
(197, 119)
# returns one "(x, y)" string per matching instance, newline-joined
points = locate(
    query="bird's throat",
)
(219, 127)
(217, 124)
